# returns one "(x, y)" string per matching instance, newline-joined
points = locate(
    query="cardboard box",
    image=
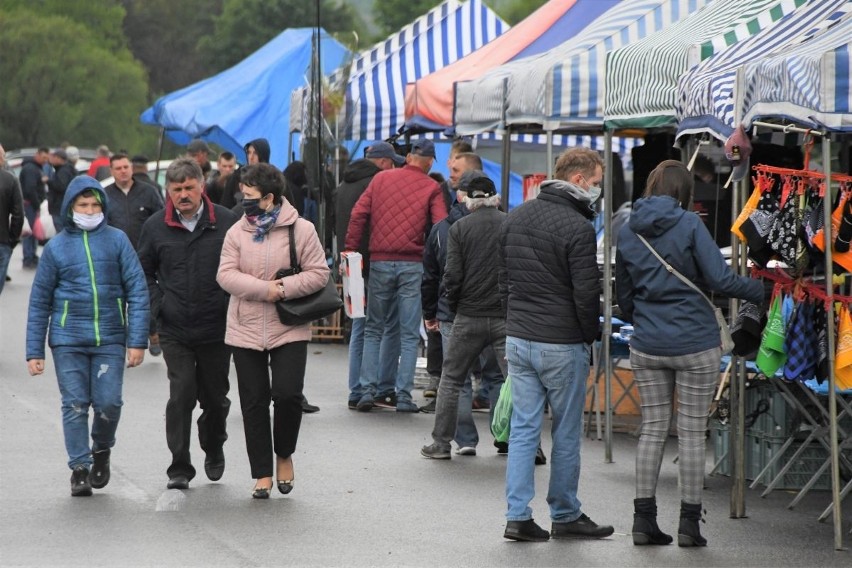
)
(354, 298)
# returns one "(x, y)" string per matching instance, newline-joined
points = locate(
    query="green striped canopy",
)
(642, 77)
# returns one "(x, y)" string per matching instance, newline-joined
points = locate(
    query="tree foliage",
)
(246, 25)
(392, 15)
(63, 80)
(164, 36)
(520, 9)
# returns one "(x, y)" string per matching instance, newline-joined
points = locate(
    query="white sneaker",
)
(466, 451)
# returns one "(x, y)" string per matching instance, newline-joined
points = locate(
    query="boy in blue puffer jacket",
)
(90, 292)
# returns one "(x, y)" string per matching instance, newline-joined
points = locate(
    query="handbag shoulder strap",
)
(674, 271)
(294, 262)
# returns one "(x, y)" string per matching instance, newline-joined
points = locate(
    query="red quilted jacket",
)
(399, 205)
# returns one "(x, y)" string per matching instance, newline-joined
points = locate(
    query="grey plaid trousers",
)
(694, 377)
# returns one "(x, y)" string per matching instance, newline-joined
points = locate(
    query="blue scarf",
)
(263, 223)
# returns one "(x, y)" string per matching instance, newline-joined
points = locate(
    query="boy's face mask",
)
(88, 222)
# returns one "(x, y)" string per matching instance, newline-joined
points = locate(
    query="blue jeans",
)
(393, 286)
(555, 373)
(89, 376)
(388, 357)
(466, 435)
(5, 257)
(29, 243)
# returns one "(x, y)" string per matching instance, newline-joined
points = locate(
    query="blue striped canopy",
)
(375, 92)
(563, 87)
(706, 94)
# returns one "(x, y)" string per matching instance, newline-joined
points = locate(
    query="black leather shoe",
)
(584, 527)
(214, 465)
(540, 458)
(260, 493)
(526, 531)
(99, 476)
(308, 408)
(178, 482)
(80, 486)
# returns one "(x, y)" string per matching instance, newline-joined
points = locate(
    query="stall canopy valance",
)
(566, 81)
(250, 100)
(706, 93)
(641, 78)
(375, 88)
(808, 84)
(429, 100)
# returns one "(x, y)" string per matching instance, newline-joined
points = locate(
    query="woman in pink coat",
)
(255, 248)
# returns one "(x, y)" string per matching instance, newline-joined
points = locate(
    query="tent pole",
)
(736, 386)
(504, 172)
(832, 383)
(159, 152)
(549, 169)
(606, 336)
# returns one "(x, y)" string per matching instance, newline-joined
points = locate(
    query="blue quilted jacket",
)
(89, 289)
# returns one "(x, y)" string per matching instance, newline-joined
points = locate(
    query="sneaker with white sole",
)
(435, 452)
(466, 451)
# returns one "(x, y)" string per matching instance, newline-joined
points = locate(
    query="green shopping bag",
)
(502, 420)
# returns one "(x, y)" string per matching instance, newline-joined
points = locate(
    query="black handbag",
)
(299, 311)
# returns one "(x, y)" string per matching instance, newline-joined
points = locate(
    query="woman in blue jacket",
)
(90, 294)
(676, 343)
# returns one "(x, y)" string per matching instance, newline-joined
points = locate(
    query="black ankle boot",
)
(688, 534)
(645, 529)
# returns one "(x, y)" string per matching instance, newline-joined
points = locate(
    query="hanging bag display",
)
(771, 355)
(749, 208)
(299, 311)
(844, 259)
(843, 356)
(727, 342)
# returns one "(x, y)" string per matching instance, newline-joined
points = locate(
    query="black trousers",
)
(287, 364)
(196, 374)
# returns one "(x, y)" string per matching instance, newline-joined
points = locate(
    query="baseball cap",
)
(469, 176)
(197, 146)
(139, 159)
(481, 186)
(384, 150)
(423, 147)
(59, 153)
(737, 151)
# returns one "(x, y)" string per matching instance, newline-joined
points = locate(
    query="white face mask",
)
(88, 222)
(594, 193)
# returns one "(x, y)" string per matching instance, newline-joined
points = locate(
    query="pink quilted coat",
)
(247, 267)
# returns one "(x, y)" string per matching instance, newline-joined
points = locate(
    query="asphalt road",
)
(363, 495)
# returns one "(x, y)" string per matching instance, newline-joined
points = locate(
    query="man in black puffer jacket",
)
(357, 176)
(550, 284)
(179, 249)
(470, 283)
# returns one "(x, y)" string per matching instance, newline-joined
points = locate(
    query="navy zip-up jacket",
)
(670, 318)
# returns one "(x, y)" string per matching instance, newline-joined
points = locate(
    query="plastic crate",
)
(802, 469)
(720, 435)
(721, 439)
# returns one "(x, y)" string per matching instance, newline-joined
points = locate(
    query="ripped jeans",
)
(89, 376)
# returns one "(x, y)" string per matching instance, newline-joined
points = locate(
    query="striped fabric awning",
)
(641, 78)
(808, 84)
(565, 81)
(706, 93)
(429, 101)
(375, 92)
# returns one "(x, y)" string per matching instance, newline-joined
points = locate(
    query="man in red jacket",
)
(399, 206)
